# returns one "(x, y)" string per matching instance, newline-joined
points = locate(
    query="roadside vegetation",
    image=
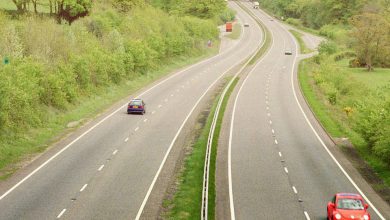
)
(55, 70)
(348, 83)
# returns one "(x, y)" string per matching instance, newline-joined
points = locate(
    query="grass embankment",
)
(187, 201)
(38, 139)
(302, 45)
(60, 73)
(236, 32)
(334, 118)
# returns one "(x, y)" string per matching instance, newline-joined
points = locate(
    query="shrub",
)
(327, 47)
(227, 15)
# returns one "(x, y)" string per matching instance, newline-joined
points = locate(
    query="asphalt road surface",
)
(105, 170)
(279, 168)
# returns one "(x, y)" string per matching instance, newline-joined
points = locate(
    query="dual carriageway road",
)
(111, 168)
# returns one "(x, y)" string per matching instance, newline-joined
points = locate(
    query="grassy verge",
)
(236, 32)
(336, 126)
(187, 201)
(14, 151)
(302, 45)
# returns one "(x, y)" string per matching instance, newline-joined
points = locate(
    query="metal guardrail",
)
(206, 172)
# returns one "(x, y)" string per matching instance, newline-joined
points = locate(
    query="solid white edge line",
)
(110, 115)
(61, 213)
(85, 186)
(306, 215)
(318, 137)
(231, 198)
(174, 140)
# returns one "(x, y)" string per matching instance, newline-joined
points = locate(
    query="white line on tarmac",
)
(269, 114)
(171, 95)
(307, 215)
(82, 189)
(159, 106)
(319, 138)
(115, 151)
(273, 131)
(145, 120)
(61, 213)
(136, 129)
(126, 139)
(276, 141)
(286, 170)
(270, 122)
(280, 154)
(295, 190)
(109, 116)
(101, 167)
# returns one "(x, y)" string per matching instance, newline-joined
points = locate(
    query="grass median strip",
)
(187, 200)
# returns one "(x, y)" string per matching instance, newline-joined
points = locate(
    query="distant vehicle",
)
(136, 106)
(347, 206)
(255, 5)
(246, 25)
(288, 52)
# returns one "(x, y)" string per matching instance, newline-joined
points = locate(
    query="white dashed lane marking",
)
(270, 122)
(295, 190)
(280, 154)
(276, 141)
(126, 139)
(145, 120)
(269, 114)
(61, 213)
(115, 151)
(171, 95)
(82, 189)
(136, 129)
(273, 131)
(159, 106)
(101, 167)
(286, 170)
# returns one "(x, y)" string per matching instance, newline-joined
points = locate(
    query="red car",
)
(347, 206)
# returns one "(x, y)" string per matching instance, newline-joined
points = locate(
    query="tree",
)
(70, 10)
(371, 33)
(20, 5)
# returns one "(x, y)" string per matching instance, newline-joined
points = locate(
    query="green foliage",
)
(327, 47)
(227, 15)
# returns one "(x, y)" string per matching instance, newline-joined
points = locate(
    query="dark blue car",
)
(136, 106)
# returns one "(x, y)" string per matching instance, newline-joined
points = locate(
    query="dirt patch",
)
(364, 169)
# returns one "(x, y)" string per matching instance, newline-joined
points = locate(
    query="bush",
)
(227, 15)
(327, 47)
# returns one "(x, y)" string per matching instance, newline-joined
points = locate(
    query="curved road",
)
(279, 168)
(106, 170)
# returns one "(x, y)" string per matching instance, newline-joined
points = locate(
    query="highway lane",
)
(279, 168)
(106, 172)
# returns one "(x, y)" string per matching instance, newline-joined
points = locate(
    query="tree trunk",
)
(51, 7)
